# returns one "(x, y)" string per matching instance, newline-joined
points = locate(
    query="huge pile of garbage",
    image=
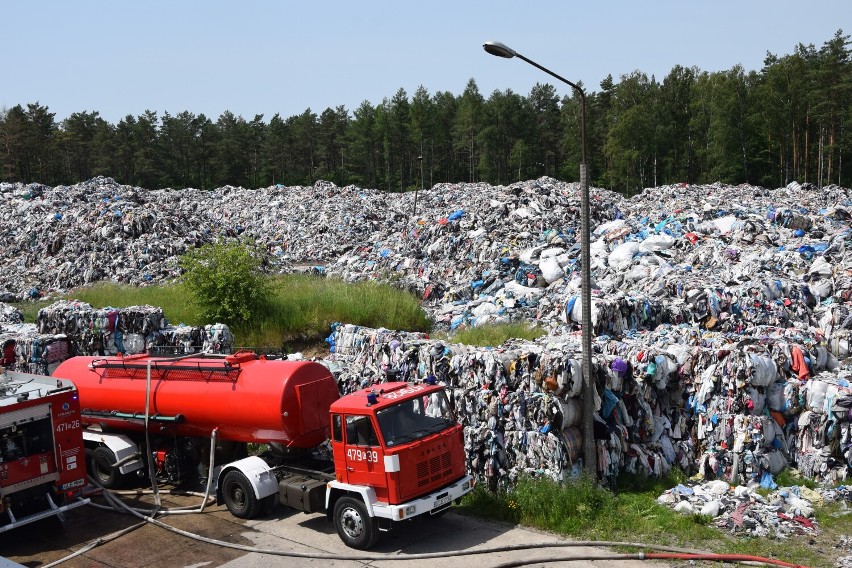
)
(58, 238)
(721, 314)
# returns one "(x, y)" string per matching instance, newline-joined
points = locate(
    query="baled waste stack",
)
(68, 328)
(483, 254)
(708, 402)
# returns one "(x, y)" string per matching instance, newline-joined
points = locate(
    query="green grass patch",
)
(495, 335)
(629, 512)
(299, 307)
(304, 307)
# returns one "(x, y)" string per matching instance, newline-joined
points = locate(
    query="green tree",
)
(422, 131)
(445, 165)
(14, 159)
(41, 144)
(727, 134)
(178, 139)
(630, 143)
(276, 150)
(832, 98)
(399, 154)
(548, 129)
(507, 120)
(363, 146)
(225, 280)
(104, 149)
(677, 162)
(232, 151)
(76, 141)
(125, 150)
(466, 128)
(570, 141)
(331, 134)
(147, 156)
(305, 144)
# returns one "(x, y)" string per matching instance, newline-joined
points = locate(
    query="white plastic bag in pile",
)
(550, 269)
(777, 462)
(656, 243)
(817, 393)
(821, 267)
(622, 256)
(609, 226)
(577, 312)
(485, 308)
(839, 344)
(519, 290)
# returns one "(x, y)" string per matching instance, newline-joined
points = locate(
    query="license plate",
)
(442, 501)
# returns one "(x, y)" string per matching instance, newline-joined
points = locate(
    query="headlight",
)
(410, 510)
(466, 485)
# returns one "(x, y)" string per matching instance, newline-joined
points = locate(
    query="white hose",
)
(213, 435)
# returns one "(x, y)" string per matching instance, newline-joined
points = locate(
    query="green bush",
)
(225, 281)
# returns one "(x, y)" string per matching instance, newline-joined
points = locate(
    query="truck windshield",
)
(413, 419)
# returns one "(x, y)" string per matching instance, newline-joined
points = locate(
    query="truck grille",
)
(434, 469)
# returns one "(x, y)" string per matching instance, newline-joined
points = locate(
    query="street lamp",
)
(589, 452)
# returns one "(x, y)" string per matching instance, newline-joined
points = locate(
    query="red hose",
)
(721, 558)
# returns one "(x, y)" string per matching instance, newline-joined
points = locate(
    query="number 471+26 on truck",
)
(397, 451)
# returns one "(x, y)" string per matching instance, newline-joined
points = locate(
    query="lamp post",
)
(589, 451)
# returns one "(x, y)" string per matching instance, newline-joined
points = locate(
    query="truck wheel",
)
(239, 496)
(100, 462)
(354, 526)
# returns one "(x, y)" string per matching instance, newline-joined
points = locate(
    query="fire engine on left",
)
(42, 458)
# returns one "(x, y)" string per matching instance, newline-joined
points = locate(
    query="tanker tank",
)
(249, 398)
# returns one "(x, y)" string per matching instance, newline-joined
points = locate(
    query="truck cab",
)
(399, 447)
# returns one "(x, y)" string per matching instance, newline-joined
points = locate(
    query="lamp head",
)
(499, 49)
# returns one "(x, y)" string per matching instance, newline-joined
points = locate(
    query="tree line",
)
(788, 121)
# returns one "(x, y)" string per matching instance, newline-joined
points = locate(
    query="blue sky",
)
(252, 57)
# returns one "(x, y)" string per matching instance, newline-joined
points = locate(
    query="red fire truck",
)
(42, 465)
(397, 451)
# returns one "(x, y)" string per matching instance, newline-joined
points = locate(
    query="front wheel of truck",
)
(354, 526)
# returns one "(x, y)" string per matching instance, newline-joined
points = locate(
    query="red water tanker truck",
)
(397, 451)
